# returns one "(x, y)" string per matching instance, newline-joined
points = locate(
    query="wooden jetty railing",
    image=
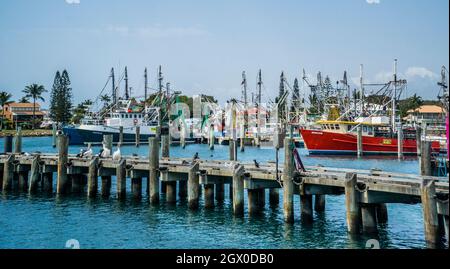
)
(366, 191)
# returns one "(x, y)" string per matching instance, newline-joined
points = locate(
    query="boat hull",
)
(79, 136)
(328, 143)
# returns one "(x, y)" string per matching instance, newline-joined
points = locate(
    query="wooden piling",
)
(165, 153)
(369, 218)
(153, 156)
(193, 185)
(93, 177)
(359, 141)
(211, 137)
(8, 173)
(23, 181)
(121, 176)
(306, 208)
(252, 199)
(382, 213)
(400, 142)
(430, 215)
(106, 186)
(182, 189)
(77, 183)
(274, 197)
(18, 141)
(62, 181)
(137, 138)
(47, 182)
(136, 187)
(425, 159)
(319, 202)
(261, 199)
(352, 203)
(288, 185)
(8, 142)
(54, 138)
(232, 155)
(34, 175)
(419, 140)
(208, 195)
(238, 191)
(171, 192)
(220, 191)
(121, 135)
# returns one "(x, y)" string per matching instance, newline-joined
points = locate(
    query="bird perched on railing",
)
(85, 153)
(117, 155)
(105, 152)
(195, 157)
(256, 163)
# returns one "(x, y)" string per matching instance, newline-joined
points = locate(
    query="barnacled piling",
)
(430, 215)
(34, 175)
(93, 178)
(136, 187)
(193, 185)
(238, 191)
(18, 141)
(319, 202)
(288, 185)
(121, 176)
(137, 136)
(352, 203)
(369, 218)
(382, 213)
(8, 173)
(252, 199)
(274, 196)
(62, 183)
(153, 156)
(209, 195)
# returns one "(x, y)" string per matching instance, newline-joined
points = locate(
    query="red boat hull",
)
(323, 142)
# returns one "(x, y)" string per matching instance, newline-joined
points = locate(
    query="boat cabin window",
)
(123, 116)
(365, 129)
(336, 126)
(135, 116)
(349, 127)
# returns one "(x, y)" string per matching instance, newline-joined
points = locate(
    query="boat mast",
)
(160, 80)
(114, 94)
(361, 89)
(258, 106)
(145, 85)
(127, 96)
(244, 92)
(394, 99)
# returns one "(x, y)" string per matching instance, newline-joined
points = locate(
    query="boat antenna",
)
(258, 106)
(127, 96)
(394, 100)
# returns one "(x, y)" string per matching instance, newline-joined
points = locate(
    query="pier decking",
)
(366, 191)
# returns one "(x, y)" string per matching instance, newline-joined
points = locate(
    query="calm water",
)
(44, 221)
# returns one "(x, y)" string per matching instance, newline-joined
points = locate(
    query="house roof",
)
(427, 109)
(22, 104)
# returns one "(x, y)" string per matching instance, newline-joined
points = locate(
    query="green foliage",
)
(61, 98)
(24, 99)
(410, 103)
(5, 98)
(35, 92)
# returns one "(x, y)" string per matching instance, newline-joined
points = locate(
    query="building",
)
(426, 113)
(22, 113)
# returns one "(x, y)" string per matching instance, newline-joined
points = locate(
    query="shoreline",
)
(27, 133)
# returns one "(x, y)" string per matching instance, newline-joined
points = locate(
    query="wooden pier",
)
(366, 191)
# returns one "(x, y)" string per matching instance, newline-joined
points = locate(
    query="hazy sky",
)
(204, 46)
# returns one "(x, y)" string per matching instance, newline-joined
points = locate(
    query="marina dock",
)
(366, 191)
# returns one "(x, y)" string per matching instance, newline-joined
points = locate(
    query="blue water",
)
(45, 221)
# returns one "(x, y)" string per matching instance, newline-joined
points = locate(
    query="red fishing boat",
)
(340, 138)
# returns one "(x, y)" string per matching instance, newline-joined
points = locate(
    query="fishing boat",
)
(341, 138)
(127, 116)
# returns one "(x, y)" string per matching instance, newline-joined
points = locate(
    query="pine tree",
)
(54, 97)
(66, 95)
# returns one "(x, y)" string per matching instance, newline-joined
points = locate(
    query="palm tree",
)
(35, 91)
(105, 99)
(5, 98)
(24, 100)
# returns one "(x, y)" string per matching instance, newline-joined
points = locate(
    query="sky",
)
(203, 46)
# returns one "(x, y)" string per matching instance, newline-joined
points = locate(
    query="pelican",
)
(116, 155)
(88, 153)
(105, 152)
